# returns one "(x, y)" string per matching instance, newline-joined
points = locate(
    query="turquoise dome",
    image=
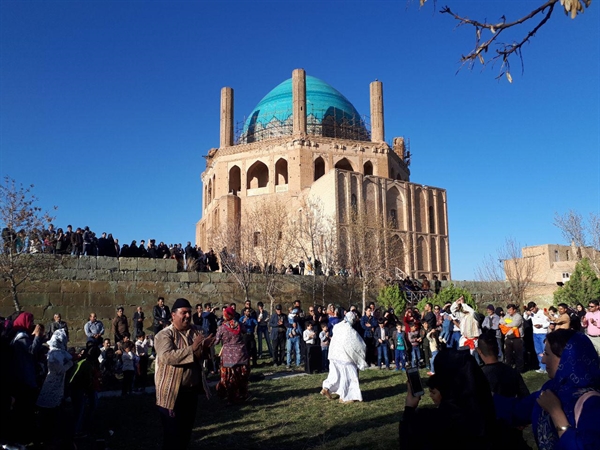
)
(328, 113)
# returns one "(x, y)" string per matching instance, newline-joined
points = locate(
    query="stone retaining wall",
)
(77, 286)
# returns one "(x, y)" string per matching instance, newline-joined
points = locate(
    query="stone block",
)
(101, 287)
(103, 275)
(133, 300)
(128, 263)
(146, 264)
(27, 300)
(79, 286)
(208, 288)
(50, 310)
(124, 275)
(189, 277)
(146, 276)
(204, 277)
(78, 299)
(87, 263)
(69, 262)
(146, 287)
(85, 274)
(102, 299)
(123, 287)
(170, 265)
(55, 299)
(174, 277)
(107, 263)
(66, 274)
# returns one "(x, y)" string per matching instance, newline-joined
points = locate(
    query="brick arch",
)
(257, 175)
(344, 164)
(319, 168)
(281, 171)
(368, 168)
(235, 179)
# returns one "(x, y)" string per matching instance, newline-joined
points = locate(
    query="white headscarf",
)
(346, 344)
(58, 347)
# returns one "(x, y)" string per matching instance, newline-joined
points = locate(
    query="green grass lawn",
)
(285, 413)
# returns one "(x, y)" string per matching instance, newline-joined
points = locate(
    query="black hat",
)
(277, 306)
(181, 303)
(491, 307)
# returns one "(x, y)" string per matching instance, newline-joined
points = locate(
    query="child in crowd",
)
(142, 348)
(381, 343)
(128, 359)
(432, 338)
(399, 346)
(309, 334)
(434, 392)
(415, 339)
(446, 325)
(108, 368)
(324, 338)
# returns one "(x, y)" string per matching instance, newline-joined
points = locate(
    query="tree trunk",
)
(15, 295)
(364, 294)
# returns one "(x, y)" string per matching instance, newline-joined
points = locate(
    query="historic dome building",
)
(305, 139)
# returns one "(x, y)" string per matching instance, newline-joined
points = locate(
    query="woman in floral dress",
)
(235, 367)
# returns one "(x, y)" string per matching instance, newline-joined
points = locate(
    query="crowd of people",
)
(467, 356)
(83, 241)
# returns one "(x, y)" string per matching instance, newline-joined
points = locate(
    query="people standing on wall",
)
(120, 325)
(161, 315)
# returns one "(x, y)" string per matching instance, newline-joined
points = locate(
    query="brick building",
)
(305, 139)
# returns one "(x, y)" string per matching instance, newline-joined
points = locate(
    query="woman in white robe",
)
(347, 352)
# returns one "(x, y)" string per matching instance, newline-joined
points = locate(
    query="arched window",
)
(258, 176)
(235, 179)
(281, 172)
(344, 164)
(393, 218)
(209, 192)
(368, 168)
(319, 168)
(394, 203)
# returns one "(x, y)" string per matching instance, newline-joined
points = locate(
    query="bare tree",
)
(369, 248)
(584, 235)
(236, 253)
(518, 32)
(22, 221)
(315, 238)
(508, 267)
(272, 240)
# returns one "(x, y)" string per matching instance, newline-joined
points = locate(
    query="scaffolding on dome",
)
(331, 122)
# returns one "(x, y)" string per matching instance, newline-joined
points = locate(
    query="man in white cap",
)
(347, 353)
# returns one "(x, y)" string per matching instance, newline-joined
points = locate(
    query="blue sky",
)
(108, 107)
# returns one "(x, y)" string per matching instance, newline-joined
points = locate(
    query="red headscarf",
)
(24, 322)
(229, 313)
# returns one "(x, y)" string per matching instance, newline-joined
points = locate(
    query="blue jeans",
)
(295, 343)
(324, 359)
(455, 339)
(500, 352)
(433, 355)
(382, 350)
(416, 356)
(538, 344)
(260, 331)
(399, 357)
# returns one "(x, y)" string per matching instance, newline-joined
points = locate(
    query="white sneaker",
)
(541, 371)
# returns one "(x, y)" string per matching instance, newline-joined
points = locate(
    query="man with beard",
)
(180, 350)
